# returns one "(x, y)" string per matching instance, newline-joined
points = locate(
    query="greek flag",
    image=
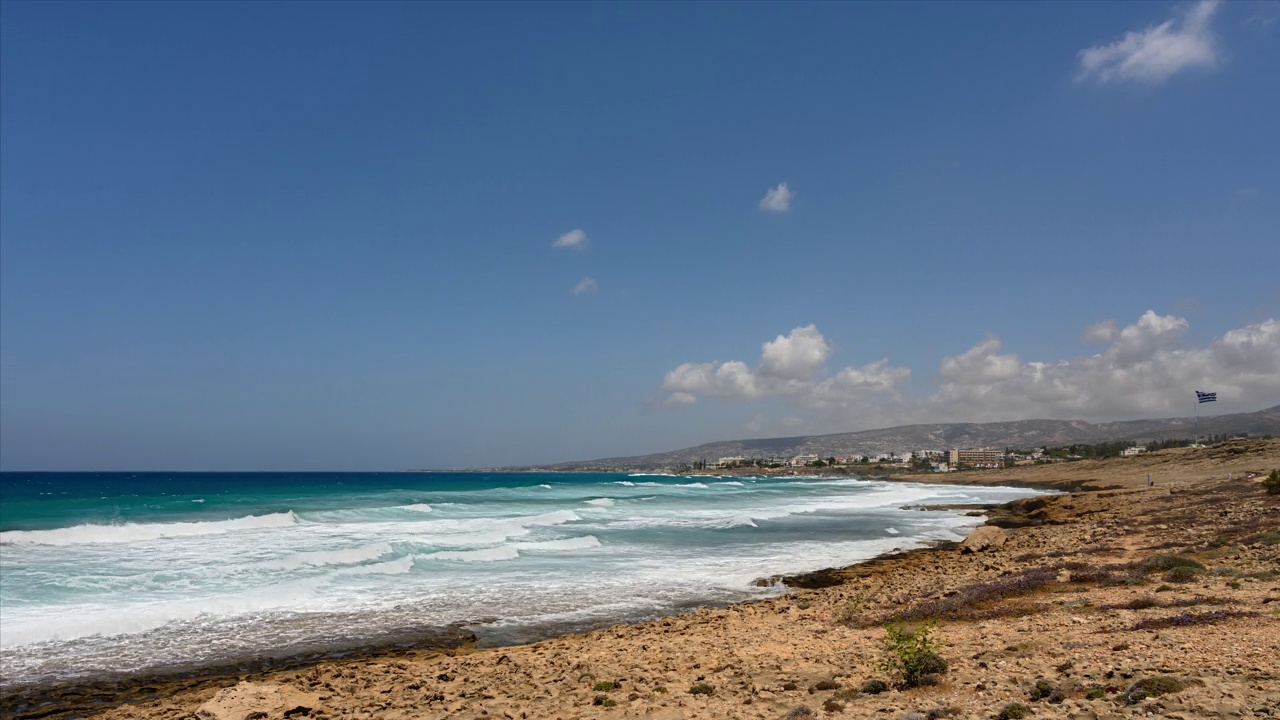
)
(1204, 397)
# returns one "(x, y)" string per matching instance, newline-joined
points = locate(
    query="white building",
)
(1131, 451)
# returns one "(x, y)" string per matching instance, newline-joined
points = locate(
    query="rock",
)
(251, 701)
(985, 538)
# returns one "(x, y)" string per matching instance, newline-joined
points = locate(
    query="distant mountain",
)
(943, 436)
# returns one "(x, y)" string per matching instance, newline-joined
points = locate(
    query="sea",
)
(103, 574)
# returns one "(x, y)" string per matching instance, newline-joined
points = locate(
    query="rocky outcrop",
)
(251, 701)
(983, 539)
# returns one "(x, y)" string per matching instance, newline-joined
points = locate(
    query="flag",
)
(1204, 397)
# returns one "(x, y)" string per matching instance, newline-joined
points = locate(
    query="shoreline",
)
(154, 695)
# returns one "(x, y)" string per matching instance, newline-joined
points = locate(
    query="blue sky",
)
(326, 236)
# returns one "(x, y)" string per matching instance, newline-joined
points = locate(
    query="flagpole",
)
(1196, 414)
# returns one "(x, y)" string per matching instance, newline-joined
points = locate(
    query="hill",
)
(940, 436)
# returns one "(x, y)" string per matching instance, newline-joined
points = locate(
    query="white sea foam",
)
(728, 482)
(502, 552)
(417, 507)
(198, 501)
(628, 483)
(600, 502)
(585, 542)
(399, 566)
(317, 558)
(545, 486)
(891, 530)
(130, 532)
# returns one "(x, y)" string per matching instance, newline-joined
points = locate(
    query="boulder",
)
(987, 537)
(252, 701)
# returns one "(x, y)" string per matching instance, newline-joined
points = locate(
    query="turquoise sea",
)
(102, 573)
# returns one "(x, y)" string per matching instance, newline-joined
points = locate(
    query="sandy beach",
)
(1116, 599)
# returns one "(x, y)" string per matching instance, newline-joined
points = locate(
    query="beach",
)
(1081, 598)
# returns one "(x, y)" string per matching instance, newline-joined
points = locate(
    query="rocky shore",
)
(1130, 601)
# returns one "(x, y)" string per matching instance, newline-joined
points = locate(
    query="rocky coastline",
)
(1143, 599)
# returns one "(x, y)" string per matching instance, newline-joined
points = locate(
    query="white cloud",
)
(1157, 52)
(777, 199)
(572, 239)
(1145, 370)
(585, 286)
(791, 366)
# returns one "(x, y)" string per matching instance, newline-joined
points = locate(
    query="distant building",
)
(977, 458)
(802, 460)
(1131, 451)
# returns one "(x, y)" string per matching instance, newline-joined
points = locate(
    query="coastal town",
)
(949, 460)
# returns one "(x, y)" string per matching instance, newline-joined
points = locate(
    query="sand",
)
(1068, 605)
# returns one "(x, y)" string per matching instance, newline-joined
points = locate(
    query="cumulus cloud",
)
(1145, 370)
(1100, 333)
(777, 199)
(1153, 54)
(586, 286)
(572, 239)
(791, 366)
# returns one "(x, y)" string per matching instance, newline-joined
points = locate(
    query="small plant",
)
(912, 654)
(874, 687)
(853, 608)
(1181, 574)
(826, 685)
(604, 701)
(846, 694)
(1272, 483)
(660, 689)
(1152, 687)
(1164, 588)
(1095, 693)
(1042, 690)
(1013, 711)
(702, 689)
(605, 686)
(1169, 562)
(798, 712)
(831, 706)
(1141, 603)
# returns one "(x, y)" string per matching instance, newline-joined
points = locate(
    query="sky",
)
(363, 236)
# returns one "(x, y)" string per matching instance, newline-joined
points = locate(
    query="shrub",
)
(826, 685)
(701, 689)
(604, 700)
(605, 686)
(1095, 693)
(1169, 562)
(975, 601)
(1152, 687)
(660, 689)
(846, 694)
(1185, 619)
(1272, 483)
(1014, 711)
(800, 711)
(874, 687)
(832, 706)
(1164, 588)
(911, 654)
(1042, 690)
(1181, 574)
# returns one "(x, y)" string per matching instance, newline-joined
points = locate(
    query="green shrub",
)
(605, 686)
(1152, 687)
(911, 654)
(1272, 483)
(1042, 690)
(604, 700)
(660, 689)
(1014, 711)
(702, 689)
(874, 687)
(1181, 574)
(1095, 693)
(826, 685)
(846, 694)
(1164, 588)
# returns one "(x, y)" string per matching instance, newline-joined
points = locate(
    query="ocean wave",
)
(416, 507)
(728, 482)
(627, 483)
(399, 566)
(502, 552)
(586, 542)
(131, 532)
(318, 558)
(600, 502)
